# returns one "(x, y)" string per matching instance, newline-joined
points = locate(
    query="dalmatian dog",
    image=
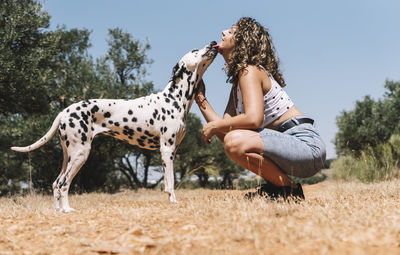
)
(153, 122)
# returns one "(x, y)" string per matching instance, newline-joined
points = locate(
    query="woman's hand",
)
(209, 130)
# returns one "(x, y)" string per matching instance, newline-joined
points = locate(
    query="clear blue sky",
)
(332, 53)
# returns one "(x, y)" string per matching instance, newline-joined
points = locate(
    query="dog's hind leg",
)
(56, 193)
(77, 156)
(167, 156)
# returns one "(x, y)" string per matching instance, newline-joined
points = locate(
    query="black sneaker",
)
(273, 192)
(294, 194)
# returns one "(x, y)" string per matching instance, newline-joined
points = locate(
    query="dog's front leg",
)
(167, 156)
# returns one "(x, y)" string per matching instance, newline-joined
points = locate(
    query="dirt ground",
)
(336, 218)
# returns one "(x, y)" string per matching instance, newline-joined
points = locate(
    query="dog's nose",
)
(213, 43)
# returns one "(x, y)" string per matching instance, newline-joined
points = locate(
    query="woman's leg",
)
(245, 148)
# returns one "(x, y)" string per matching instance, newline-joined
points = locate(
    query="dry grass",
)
(336, 218)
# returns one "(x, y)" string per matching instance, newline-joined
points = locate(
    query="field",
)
(336, 218)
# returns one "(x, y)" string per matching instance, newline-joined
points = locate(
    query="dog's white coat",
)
(152, 122)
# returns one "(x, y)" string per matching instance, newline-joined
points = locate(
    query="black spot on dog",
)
(107, 115)
(171, 96)
(134, 119)
(125, 119)
(94, 109)
(85, 117)
(103, 124)
(151, 121)
(116, 124)
(110, 122)
(83, 126)
(170, 141)
(130, 112)
(71, 124)
(139, 129)
(94, 120)
(74, 115)
(78, 108)
(140, 142)
(148, 133)
(67, 143)
(83, 138)
(176, 105)
(155, 113)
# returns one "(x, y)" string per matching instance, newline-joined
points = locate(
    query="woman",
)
(261, 128)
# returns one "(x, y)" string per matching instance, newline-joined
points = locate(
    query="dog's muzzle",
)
(211, 50)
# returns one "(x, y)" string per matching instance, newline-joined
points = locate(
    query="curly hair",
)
(253, 46)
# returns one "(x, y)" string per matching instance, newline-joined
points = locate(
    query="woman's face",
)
(226, 45)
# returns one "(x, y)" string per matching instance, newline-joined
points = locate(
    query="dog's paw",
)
(172, 199)
(68, 210)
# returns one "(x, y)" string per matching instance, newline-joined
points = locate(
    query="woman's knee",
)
(233, 143)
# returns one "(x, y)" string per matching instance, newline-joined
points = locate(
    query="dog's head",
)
(196, 61)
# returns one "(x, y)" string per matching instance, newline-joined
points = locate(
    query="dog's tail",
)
(42, 140)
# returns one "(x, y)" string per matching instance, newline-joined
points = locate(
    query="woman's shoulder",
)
(251, 71)
(251, 68)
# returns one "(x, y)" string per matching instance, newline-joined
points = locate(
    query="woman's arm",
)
(205, 108)
(209, 113)
(250, 82)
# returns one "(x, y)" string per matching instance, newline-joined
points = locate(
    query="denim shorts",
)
(299, 151)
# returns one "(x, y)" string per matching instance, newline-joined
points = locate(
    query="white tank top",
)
(276, 102)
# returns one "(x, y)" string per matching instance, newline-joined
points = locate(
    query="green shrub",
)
(374, 163)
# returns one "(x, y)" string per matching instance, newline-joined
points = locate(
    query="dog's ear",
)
(177, 71)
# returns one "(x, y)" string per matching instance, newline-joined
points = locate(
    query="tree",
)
(370, 123)
(37, 67)
(44, 71)
(23, 63)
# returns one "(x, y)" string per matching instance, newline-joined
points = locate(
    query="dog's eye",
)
(195, 50)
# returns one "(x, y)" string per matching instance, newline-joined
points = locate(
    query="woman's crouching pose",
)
(262, 129)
